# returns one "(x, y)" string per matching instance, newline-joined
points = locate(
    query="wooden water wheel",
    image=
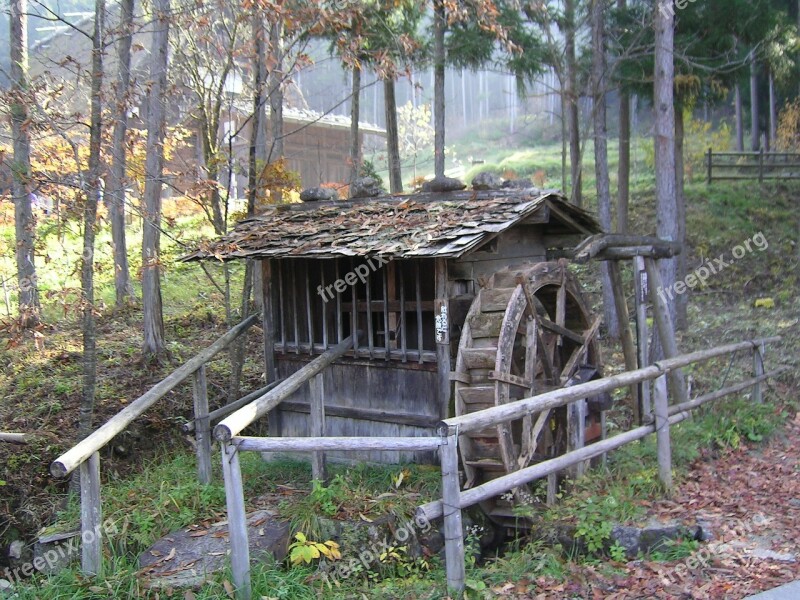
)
(527, 332)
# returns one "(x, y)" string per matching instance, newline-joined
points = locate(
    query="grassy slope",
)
(720, 217)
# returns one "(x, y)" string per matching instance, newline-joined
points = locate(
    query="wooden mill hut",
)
(449, 291)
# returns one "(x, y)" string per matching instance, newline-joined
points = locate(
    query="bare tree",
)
(154, 345)
(755, 129)
(355, 115)
(93, 190)
(601, 152)
(663, 95)
(573, 117)
(392, 136)
(440, 23)
(624, 167)
(117, 173)
(25, 224)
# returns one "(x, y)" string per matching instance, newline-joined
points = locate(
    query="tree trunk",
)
(755, 132)
(573, 121)
(276, 98)
(355, 115)
(601, 155)
(117, 175)
(666, 201)
(154, 345)
(773, 112)
(737, 102)
(25, 223)
(392, 137)
(439, 19)
(624, 167)
(89, 222)
(681, 300)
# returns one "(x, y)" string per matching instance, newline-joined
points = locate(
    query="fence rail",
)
(764, 166)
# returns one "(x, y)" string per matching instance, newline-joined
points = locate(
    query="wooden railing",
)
(14, 438)
(752, 165)
(85, 455)
(453, 499)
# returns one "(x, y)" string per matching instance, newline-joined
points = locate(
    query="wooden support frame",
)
(640, 286)
(664, 448)
(453, 526)
(628, 347)
(202, 432)
(237, 521)
(317, 384)
(758, 371)
(91, 516)
(442, 325)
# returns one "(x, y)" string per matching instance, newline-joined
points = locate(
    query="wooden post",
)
(268, 321)
(453, 528)
(710, 165)
(628, 348)
(576, 433)
(761, 165)
(661, 406)
(237, 522)
(202, 426)
(641, 289)
(442, 324)
(317, 386)
(758, 370)
(666, 331)
(91, 516)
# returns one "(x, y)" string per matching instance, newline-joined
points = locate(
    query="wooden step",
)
(479, 358)
(489, 433)
(483, 449)
(496, 299)
(483, 394)
(486, 325)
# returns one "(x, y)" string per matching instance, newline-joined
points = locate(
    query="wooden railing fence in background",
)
(764, 166)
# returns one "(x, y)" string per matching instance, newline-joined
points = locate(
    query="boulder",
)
(486, 180)
(365, 187)
(443, 184)
(319, 194)
(519, 184)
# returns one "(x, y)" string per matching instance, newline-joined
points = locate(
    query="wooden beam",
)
(317, 384)
(453, 526)
(237, 522)
(365, 414)
(628, 347)
(202, 434)
(664, 448)
(15, 438)
(91, 516)
(442, 328)
(336, 444)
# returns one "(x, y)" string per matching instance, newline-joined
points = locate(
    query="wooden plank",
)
(354, 310)
(336, 444)
(642, 337)
(511, 379)
(236, 422)
(14, 438)
(453, 527)
(339, 313)
(441, 293)
(309, 311)
(91, 516)
(403, 319)
(295, 319)
(318, 471)
(661, 410)
(70, 460)
(237, 522)
(202, 434)
(324, 308)
(268, 269)
(479, 358)
(628, 347)
(387, 329)
(496, 300)
(418, 288)
(365, 414)
(370, 339)
(486, 325)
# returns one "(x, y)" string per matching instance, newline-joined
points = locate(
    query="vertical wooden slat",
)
(758, 371)
(628, 347)
(576, 433)
(237, 522)
(370, 341)
(202, 425)
(354, 311)
(268, 268)
(295, 309)
(418, 287)
(661, 409)
(339, 315)
(324, 308)
(403, 342)
(317, 388)
(309, 316)
(443, 344)
(666, 332)
(453, 527)
(640, 287)
(91, 516)
(386, 330)
(281, 293)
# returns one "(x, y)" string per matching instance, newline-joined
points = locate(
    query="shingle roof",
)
(442, 225)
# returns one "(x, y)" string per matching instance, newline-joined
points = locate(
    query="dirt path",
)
(749, 500)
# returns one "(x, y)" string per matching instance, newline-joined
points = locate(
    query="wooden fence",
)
(85, 455)
(453, 499)
(764, 166)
